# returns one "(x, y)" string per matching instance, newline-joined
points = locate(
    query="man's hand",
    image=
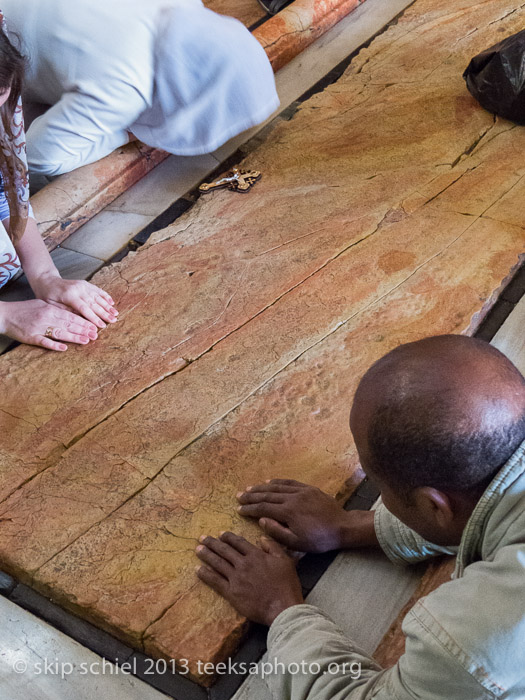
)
(304, 518)
(258, 583)
(90, 302)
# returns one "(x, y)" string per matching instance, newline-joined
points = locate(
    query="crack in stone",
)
(470, 148)
(507, 14)
(503, 194)
(469, 170)
(24, 420)
(179, 597)
(307, 350)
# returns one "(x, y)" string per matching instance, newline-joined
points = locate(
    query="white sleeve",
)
(78, 130)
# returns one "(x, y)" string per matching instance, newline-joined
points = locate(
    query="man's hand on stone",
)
(301, 517)
(304, 518)
(258, 583)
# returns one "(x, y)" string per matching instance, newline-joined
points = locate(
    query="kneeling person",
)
(170, 73)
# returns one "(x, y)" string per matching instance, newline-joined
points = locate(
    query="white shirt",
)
(180, 77)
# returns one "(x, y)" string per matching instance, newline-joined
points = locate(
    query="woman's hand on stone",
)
(28, 321)
(84, 298)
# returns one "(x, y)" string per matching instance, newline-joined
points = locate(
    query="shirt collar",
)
(474, 533)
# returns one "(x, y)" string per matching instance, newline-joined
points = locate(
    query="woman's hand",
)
(82, 297)
(28, 321)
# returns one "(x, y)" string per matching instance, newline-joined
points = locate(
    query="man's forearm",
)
(358, 530)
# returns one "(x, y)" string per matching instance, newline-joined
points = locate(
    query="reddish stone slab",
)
(295, 426)
(130, 447)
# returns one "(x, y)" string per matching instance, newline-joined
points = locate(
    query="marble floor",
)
(390, 208)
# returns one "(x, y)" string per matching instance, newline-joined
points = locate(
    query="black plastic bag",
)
(496, 78)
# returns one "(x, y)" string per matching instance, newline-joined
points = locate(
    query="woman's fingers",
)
(87, 312)
(104, 294)
(105, 304)
(85, 329)
(67, 327)
(75, 324)
(69, 337)
(97, 291)
(95, 312)
(49, 344)
(103, 313)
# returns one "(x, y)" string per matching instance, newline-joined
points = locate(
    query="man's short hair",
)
(411, 445)
(448, 412)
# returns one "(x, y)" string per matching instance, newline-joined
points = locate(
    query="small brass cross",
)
(237, 180)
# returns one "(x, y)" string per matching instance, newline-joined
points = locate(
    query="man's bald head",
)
(445, 412)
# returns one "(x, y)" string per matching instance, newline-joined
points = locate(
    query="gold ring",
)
(49, 332)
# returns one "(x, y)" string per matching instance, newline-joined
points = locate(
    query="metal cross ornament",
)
(236, 180)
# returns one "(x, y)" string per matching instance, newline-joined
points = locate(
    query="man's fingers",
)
(279, 532)
(262, 510)
(261, 497)
(287, 482)
(271, 547)
(215, 561)
(221, 548)
(213, 579)
(237, 542)
(271, 488)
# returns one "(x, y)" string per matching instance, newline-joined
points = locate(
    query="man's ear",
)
(435, 505)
